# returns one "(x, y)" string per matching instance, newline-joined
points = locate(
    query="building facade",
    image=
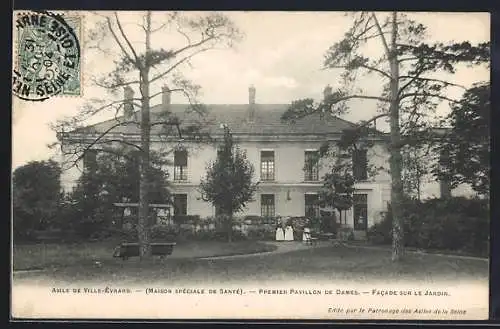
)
(279, 151)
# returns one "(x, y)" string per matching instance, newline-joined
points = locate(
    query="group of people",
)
(287, 233)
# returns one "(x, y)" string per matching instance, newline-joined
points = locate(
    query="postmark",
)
(48, 56)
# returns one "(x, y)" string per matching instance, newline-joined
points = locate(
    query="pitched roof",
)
(266, 120)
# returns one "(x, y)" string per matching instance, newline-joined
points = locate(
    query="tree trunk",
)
(229, 227)
(143, 222)
(395, 150)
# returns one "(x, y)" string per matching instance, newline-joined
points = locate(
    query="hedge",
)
(453, 224)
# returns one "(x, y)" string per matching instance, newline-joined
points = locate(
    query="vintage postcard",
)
(250, 165)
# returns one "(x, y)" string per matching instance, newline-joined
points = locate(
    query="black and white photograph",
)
(250, 165)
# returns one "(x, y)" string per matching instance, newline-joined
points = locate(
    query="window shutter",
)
(360, 164)
(90, 160)
(180, 158)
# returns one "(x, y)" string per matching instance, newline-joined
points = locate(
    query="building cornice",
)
(89, 137)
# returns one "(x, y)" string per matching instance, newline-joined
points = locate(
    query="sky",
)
(281, 54)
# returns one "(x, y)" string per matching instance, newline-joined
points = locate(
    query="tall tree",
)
(141, 65)
(467, 145)
(228, 182)
(415, 168)
(411, 90)
(347, 164)
(36, 195)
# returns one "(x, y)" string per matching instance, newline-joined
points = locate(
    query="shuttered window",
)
(360, 165)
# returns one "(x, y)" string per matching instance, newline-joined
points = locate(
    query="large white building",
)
(278, 150)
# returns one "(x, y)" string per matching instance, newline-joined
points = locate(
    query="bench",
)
(312, 238)
(326, 236)
(127, 250)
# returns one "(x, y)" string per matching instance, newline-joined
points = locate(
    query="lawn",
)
(43, 256)
(314, 264)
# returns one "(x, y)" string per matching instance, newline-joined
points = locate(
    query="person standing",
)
(280, 234)
(289, 231)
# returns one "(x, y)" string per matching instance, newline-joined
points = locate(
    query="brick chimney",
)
(327, 91)
(128, 107)
(251, 103)
(166, 97)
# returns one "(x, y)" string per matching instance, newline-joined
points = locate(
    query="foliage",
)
(228, 182)
(184, 219)
(112, 179)
(338, 186)
(163, 233)
(456, 224)
(466, 148)
(36, 197)
(410, 91)
(141, 66)
(263, 233)
(345, 234)
(415, 165)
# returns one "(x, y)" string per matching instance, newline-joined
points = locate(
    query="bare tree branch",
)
(382, 37)
(125, 53)
(174, 66)
(412, 79)
(194, 45)
(123, 141)
(368, 67)
(345, 98)
(116, 85)
(127, 40)
(424, 94)
(188, 39)
(432, 80)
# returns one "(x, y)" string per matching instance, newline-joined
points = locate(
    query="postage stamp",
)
(48, 56)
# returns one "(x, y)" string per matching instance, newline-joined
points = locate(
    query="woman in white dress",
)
(280, 234)
(306, 235)
(289, 232)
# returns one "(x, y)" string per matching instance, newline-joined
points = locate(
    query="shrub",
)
(184, 219)
(457, 224)
(129, 234)
(265, 233)
(328, 224)
(345, 233)
(253, 219)
(163, 233)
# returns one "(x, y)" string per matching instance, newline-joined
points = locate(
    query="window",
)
(360, 211)
(311, 166)
(90, 160)
(360, 165)
(267, 207)
(180, 204)
(180, 165)
(267, 165)
(311, 206)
